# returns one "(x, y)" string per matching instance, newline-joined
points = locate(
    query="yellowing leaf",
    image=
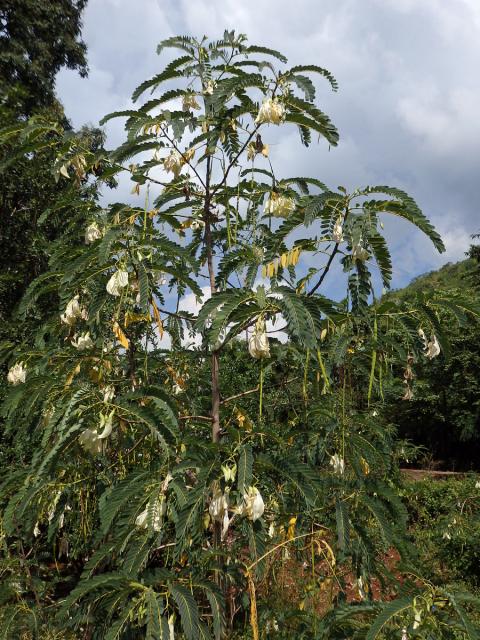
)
(72, 375)
(158, 319)
(365, 466)
(291, 528)
(121, 337)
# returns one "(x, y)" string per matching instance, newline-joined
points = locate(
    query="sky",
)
(406, 109)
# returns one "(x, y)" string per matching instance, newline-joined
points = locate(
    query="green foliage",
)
(174, 477)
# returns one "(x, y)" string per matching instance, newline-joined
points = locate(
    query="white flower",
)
(108, 393)
(218, 510)
(83, 341)
(258, 346)
(36, 530)
(404, 634)
(174, 162)
(117, 282)
(90, 441)
(417, 619)
(73, 311)
(218, 505)
(433, 348)
(447, 536)
(270, 112)
(359, 252)
(271, 530)
(53, 506)
(423, 338)
(92, 233)
(477, 484)
(254, 505)
(338, 464)
(209, 87)
(17, 374)
(106, 425)
(190, 102)
(197, 223)
(337, 234)
(153, 515)
(279, 206)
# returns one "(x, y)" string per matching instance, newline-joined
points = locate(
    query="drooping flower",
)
(255, 148)
(73, 311)
(209, 88)
(337, 234)
(338, 464)
(218, 510)
(189, 101)
(279, 206)
(253, 504)
(83, 341)
(197, 223)
(218, 505)
(359, 252)
(92, 233)
(106, 425)
(271, 112)
(17, 374)
(153, 514)
(90, 441)
(117, 282)
(408, 395)
(108, 393)
(431, 347)
(258, 346)
(174, 162)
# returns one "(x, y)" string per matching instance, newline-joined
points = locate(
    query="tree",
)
(443, 414)
(37, 39)
(172, 504)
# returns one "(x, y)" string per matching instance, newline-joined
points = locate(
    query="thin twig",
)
(246, 393)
